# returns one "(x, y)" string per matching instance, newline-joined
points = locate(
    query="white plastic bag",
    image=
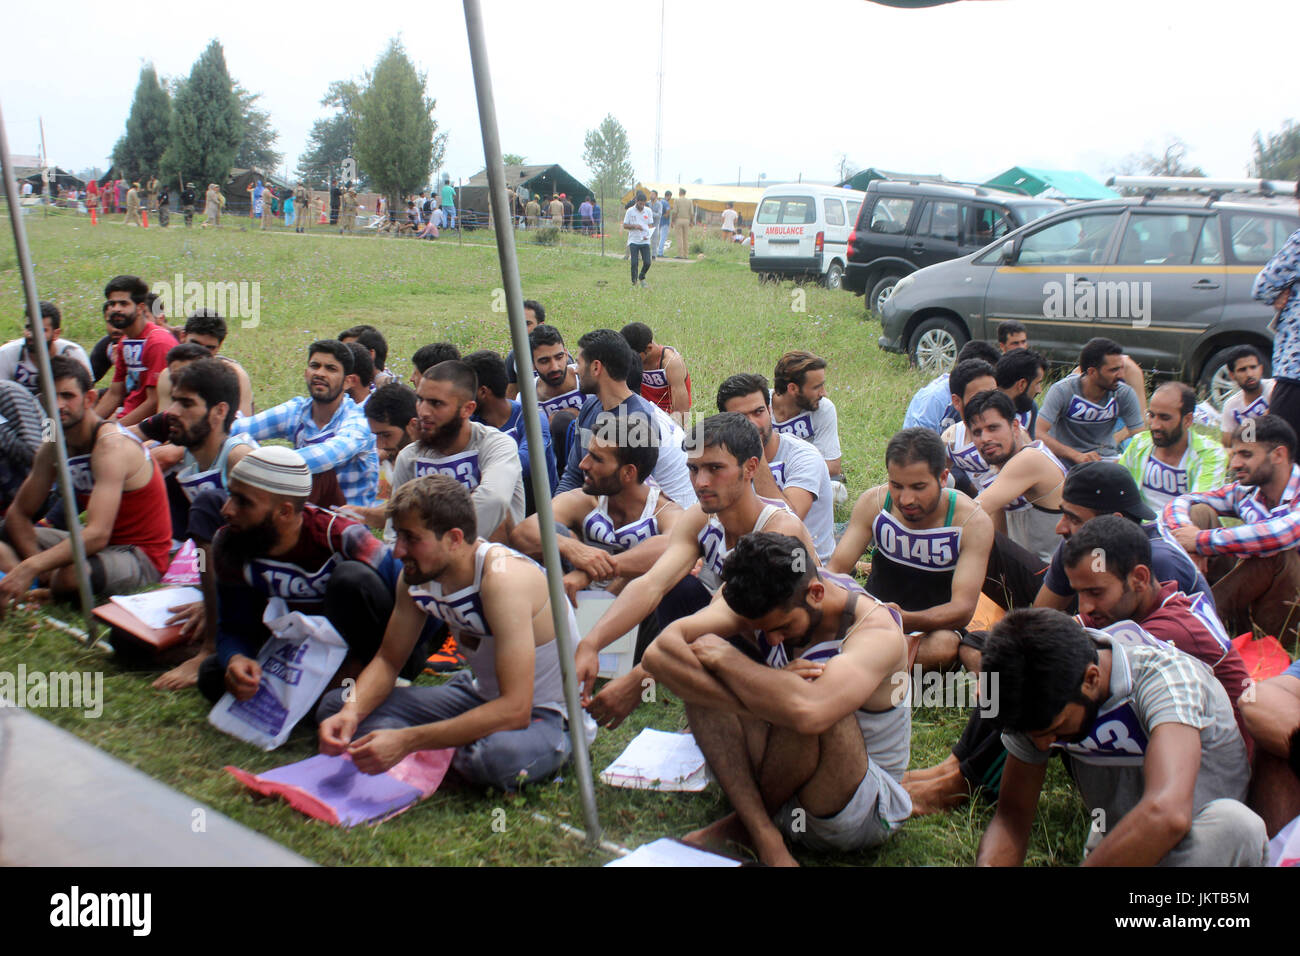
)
(297, 663)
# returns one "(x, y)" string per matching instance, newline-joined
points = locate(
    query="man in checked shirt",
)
(327, 428)
(1253, 568)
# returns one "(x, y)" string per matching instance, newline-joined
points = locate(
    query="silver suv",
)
(1169, 279)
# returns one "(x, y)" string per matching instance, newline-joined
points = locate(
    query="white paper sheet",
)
(657, 760)
(151, 606)
(665, 852)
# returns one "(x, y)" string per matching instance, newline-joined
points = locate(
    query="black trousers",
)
(641, 250)
(1284, 402)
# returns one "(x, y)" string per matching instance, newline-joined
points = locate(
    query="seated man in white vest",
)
(506, 721)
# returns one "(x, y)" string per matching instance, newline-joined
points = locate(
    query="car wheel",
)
(881, 291)
(834, 276)
(1216, 382)
(934, 345)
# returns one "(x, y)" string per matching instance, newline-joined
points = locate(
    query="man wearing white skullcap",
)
(276, 545)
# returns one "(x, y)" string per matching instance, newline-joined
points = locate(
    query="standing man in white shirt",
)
(638, 223)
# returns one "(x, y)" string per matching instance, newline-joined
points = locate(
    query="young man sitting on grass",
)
(507, 719)
(1149, 739)
(127, 530)
(796, 689)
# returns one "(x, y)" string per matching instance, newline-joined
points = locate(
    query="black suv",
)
(905, 226)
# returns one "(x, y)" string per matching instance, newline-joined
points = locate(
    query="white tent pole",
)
(528, 396)
(51, 427)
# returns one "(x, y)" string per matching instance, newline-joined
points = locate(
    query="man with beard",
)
(605, 361)
(482, 459)
(931, 546)
(203, 406)
(1246, 366)
(559, 398)
(1150, 739)
(506, 721)
(275, 545)
(795, 473)
(1253, 567)
(605, 525)
(1080, 413)
(1024, 500)
(140, 357)
(1122, 588)
(17, 360)
(126, 532)
(1019, 373)
(326, 426)
(800, 406)
(725, 453)
(1170, 458)
(796, 689)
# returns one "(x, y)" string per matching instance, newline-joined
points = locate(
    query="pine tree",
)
(206, 127)
(138, 154)
(609, 158)
(398, 142)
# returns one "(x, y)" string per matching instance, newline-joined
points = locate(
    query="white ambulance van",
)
(802, 230)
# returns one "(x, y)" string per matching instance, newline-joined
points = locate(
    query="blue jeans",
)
(661, 238)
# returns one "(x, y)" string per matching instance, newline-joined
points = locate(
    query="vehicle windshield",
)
(786, 210)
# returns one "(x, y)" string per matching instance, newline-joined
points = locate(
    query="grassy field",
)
(720, 317)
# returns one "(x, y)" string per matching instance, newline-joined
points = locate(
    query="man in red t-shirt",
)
(1108, 562)
(141, 355)
(664, 379)
(128, 527)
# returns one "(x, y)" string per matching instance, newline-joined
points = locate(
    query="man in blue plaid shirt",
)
(1254, 568)
(1275, 285)
(326, 427)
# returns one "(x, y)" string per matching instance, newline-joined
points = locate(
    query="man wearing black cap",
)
(1105, 488)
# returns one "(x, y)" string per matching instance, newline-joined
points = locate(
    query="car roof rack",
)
(1212, 189)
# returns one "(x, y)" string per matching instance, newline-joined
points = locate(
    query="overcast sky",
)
(768, 86)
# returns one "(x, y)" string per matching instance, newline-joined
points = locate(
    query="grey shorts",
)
(877, 808)
(114, 569)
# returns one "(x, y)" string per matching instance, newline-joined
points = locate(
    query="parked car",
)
(1168, 278)
(802, 230)
(905, 226)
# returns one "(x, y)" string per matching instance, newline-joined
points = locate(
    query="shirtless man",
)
(615, 522)
(507, 721)
(1024, 500)
(932, 546)
(725, 452)
(796, 688)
